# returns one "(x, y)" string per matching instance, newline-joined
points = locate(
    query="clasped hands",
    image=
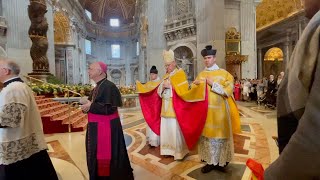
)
(166, 84)
(208, 80)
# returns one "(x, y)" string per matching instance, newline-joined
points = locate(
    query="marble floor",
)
(258, 124)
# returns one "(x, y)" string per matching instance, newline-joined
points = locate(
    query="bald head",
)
(95, 72)
(8, 69)
(11, 65)
(311, 7)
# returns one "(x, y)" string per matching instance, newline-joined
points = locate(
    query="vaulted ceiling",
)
(270, 12)
(103, 10)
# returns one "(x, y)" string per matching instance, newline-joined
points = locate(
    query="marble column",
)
(248, 37)
(260, 65)
(156, 42)
(123, 76)
(18, 41)
(142, 71)
(132, 68)
(210, 29)
(70, 64)
(303, 22)
(128, 54)
(287, 48)
(286, 55)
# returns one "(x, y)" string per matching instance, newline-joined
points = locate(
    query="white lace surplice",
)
(152, 138)
(21, 134)
(215, 151)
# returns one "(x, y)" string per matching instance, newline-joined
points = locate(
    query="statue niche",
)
(184, 58)
(38, 35)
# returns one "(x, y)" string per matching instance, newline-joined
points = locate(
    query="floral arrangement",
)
(61, 90)
(127, 90)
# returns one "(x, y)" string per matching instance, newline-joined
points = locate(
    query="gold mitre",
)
(168, 56)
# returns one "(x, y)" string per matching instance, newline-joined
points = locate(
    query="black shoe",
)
(150, 146)
(207, 168)
(222, 168)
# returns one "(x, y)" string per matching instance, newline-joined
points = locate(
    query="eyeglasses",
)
(4, 67)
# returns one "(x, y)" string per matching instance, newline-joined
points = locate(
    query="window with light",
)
(137, 48)
(88, 13)
(88, 46)
(114, 22)
(115, 51)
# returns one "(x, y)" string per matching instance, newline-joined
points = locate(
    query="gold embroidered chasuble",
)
(222, 110)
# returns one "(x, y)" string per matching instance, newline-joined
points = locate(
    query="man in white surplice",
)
(172, 142)
(23, 150)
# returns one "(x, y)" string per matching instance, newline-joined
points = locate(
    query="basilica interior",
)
(254, 39)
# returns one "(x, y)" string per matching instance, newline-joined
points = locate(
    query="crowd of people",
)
(263, 91)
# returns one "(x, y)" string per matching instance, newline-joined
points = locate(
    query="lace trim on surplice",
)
(13, 151)
(215, 151)
(12, 114)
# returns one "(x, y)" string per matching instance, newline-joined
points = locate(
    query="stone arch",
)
(116, 75)
(273, 54)
(191, 46)
(273, 62)
(185, 60)
(62, 30)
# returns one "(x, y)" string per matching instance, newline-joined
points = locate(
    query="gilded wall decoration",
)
(273, 11)
(233, 41)
(62, 32)
(274, 54)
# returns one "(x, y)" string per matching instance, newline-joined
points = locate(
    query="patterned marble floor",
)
(68, 150)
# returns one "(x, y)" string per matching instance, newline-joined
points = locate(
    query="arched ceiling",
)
(103, 10)
(274, 54)
(270, 12)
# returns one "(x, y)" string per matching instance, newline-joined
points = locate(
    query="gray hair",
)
(11, 65)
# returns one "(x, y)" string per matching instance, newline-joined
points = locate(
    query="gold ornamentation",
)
(38, 33)
(42, 2)
(233, 34)
(236, 59)
(37, 36)
(62, 33)
(270, 12)
(168, 56)
(103, 10)
(233, 41)
(274, 54)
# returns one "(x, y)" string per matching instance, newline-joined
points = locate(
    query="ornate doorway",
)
(273, 62)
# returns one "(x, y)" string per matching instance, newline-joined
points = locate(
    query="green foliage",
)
(53, 80)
